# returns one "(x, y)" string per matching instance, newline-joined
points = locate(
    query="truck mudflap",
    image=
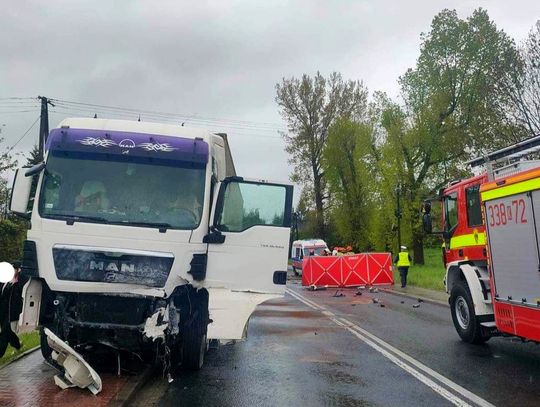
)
(77, 372)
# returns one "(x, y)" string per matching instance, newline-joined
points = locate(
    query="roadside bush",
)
(12, 235)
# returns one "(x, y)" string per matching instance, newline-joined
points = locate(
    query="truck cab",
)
(143, 238)
(463, 230)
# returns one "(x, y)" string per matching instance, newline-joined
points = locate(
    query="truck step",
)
(490, 324)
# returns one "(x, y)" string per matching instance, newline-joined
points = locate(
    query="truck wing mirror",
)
(36, 169)
(20, 193)
(215, 236)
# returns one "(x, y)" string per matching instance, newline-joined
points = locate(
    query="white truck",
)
(144, 239)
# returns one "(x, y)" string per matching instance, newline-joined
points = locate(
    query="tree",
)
(450, 109)
(33, 157)
(309, 106)
(522, 87)
(348, 165)
(6, 164)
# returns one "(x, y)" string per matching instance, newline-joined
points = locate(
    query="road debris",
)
(77, 372)
(420, 300)
(382, 305)
(375, 300)
(313, 287)
(338, 293)
(373, 290)
(416, 306)
(403, 302)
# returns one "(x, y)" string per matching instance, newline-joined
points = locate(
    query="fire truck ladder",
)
(508, 160)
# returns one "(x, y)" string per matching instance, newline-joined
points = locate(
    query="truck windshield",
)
(106, 189)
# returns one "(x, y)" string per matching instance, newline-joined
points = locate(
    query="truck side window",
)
(474, 214)
(451, 211)
(250, 204)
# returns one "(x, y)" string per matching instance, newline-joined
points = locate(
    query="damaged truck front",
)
(144, 239)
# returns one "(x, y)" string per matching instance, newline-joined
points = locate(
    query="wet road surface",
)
(294, 356)
(504, 371)
(312, 348)
(305, 349)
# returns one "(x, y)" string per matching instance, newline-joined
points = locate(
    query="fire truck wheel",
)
(194, 343)
(463, 315)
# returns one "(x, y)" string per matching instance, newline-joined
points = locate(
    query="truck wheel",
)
(46, 350)
(194, 343)
(463, 315)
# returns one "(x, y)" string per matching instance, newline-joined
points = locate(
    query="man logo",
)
(112, 266)
(127, 143)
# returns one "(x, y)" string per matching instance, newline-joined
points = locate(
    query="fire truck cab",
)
(465, 258)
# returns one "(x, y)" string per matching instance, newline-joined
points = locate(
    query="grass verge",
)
(28, 341)
(430, 275)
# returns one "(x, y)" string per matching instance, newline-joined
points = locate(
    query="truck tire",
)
(462, 308)
(194, 342)
(46, 350)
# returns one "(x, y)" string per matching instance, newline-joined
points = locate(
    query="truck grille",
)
(106, 267)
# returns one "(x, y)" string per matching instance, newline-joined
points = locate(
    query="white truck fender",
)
(472, 274)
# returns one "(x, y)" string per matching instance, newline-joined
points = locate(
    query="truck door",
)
(249, 238)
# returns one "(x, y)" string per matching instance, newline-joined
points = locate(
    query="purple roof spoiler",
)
(127, 143)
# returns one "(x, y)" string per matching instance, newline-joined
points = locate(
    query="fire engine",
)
(491, 246)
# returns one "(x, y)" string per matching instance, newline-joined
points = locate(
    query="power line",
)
(18, 111)
(16, 98)
(267, 125)
(24, 135)
(7, 103)
(239, 132)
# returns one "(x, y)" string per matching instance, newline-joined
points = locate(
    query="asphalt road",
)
(315, 348)
(504, 371)
(311, 348)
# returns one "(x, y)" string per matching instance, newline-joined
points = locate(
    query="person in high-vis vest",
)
(403, 262)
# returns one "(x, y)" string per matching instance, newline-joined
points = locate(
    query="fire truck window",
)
(474, 214)
(451, 211)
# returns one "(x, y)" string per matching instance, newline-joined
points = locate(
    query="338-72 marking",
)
(501, 214)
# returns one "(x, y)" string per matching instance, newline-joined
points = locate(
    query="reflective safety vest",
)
(403, 259)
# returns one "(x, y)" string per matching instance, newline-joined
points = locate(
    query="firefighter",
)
(403, 262)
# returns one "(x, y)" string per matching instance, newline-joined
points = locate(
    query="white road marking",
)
(400, 358)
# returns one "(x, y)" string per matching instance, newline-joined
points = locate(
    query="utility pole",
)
(398, 215)
(43, 125)
(295, 224)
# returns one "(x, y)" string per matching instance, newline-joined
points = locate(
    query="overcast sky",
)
(218, 60)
